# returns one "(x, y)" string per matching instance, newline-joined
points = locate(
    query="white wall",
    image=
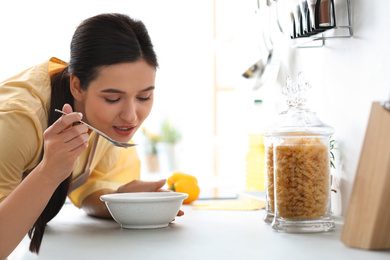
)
(347, 76)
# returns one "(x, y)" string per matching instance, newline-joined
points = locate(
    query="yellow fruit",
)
(185, 183)
(180, 176)
(189, 187)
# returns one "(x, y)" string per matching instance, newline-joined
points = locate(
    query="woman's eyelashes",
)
(140, 98)
(109, 100)
(144, 98)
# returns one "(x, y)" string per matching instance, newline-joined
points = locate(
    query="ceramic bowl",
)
(142, 210)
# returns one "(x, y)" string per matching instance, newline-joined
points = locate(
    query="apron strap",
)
(83, 177)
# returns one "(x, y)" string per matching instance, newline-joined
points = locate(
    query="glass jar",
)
(269, 179)
(301, 164)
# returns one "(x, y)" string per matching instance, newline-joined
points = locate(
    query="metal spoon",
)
(112, 141)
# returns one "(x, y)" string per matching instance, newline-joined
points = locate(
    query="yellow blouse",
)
(24, 106)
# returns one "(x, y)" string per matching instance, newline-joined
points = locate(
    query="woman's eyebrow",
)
(112, 90)
(147, 89)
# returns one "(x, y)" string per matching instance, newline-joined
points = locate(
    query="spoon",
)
(112, 141)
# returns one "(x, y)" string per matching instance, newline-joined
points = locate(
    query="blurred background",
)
(205, 109)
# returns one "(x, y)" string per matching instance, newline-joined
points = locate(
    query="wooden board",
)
(367, 222)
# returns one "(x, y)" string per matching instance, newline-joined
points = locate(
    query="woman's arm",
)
(20, 210)
(63, 143)
(94, 207)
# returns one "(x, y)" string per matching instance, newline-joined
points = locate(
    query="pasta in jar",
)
(302, 178)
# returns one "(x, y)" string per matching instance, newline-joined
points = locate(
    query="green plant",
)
(332, 157)
(152, 140)
(169, 133)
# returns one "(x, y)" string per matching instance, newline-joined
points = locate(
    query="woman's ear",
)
(75, 88)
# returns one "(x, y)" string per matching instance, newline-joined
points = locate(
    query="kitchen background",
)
(204, 47)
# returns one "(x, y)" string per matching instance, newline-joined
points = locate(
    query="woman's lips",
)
(124, 130)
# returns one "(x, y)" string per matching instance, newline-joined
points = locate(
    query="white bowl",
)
(140, 210)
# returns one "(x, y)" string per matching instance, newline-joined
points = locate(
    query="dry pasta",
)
(301, 178)
(270, 177)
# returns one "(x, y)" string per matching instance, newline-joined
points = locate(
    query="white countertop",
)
(199, 234)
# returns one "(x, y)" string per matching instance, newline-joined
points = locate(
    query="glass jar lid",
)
(297, 120)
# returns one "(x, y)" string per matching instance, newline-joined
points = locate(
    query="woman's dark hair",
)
(101, 40)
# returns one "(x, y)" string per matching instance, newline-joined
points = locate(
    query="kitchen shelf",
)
(338, 32)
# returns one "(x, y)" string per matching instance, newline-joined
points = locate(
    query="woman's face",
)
(119, 100)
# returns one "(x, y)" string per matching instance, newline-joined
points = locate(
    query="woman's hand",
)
(142, 186)
(64, 141)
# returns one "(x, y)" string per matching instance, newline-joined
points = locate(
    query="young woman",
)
(45, 156)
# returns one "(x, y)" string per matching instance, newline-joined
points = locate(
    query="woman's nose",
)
(128, 113)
